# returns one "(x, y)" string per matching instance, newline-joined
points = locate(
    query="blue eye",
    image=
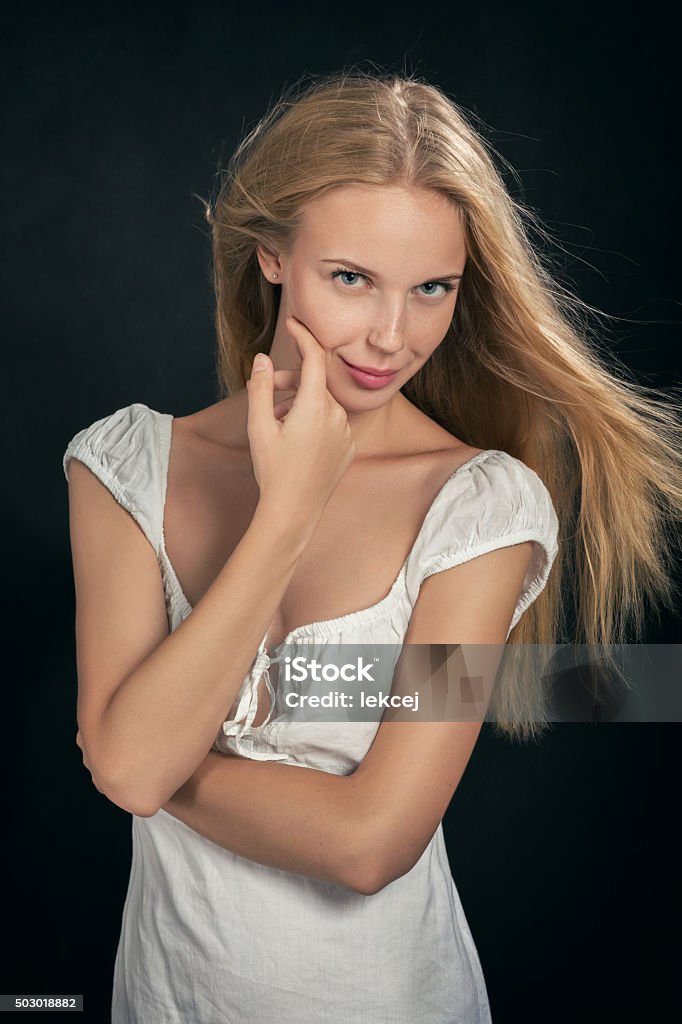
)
(350, 273)
(445, 285)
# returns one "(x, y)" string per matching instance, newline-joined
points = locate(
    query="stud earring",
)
(275, 275)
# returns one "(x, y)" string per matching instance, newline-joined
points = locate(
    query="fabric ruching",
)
(121, 449)
(491, 502)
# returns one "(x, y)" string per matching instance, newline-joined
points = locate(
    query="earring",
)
(275, 275)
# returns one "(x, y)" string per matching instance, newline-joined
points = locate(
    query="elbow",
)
(370, 885)
(133, 803)
(140, 810)
(373, 877)
(109, 780)
(376, 849)
(129, 797)
(369, 869)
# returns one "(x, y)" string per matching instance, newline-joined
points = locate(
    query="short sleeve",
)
(491, 502)
(123, 451)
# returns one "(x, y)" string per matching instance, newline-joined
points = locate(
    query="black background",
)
(113, 116)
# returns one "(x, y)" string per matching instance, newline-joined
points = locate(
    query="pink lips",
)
(370, 369)
(368, 378)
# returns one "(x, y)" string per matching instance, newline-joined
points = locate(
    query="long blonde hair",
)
(519, 369)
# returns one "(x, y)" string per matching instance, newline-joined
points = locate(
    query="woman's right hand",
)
(301, 448)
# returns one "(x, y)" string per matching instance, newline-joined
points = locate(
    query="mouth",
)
(369, 378)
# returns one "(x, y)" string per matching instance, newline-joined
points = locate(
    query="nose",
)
(387, 330)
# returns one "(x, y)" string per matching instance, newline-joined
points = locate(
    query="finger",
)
(283, 407)
(259, 389)
(313, 367)
(282, 394)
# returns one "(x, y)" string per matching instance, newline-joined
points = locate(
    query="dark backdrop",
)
(113, 115)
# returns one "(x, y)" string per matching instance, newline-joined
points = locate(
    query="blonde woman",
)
(416, 443)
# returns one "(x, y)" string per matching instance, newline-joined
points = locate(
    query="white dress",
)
(210, 937)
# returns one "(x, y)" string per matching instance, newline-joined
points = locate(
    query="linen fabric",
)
(214, 938)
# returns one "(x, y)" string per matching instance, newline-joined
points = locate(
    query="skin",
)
(343, 828)
(394, 320)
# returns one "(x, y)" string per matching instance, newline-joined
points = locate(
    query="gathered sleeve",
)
(122, 450)
(491, 502)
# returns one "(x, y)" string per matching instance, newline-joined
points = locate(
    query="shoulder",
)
(126, 450)
(498, 492)
(113, 437)
(492, 501)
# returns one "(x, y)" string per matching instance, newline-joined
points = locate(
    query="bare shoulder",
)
(211, 434)
(436, 446)
(223, 423)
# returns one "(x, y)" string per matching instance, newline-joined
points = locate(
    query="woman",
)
(444, 408)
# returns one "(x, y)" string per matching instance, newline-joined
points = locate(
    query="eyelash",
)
(340, 270)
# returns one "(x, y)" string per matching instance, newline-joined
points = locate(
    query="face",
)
(373, 273)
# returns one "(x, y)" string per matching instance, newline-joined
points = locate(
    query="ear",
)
(269, 262)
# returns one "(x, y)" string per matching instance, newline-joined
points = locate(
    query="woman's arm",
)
(280, 815)
(364, 830)
(150, 704)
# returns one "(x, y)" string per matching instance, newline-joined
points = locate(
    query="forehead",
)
(378, 225)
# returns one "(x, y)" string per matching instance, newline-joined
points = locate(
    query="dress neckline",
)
(164, 423)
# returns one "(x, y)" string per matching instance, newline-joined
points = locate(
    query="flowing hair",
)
(520, 369)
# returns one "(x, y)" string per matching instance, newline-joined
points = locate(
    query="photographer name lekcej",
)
(339, 699)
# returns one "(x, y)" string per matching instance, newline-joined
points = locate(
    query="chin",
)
(356, 400)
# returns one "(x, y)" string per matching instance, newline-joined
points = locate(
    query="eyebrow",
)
(371, 273)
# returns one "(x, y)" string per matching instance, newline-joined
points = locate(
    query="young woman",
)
(416, 442)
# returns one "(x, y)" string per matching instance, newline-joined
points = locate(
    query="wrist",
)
(287, 525)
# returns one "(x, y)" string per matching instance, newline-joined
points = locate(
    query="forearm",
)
(166, 714)
(280, 815)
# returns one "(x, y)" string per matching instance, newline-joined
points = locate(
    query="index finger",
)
(314, 364)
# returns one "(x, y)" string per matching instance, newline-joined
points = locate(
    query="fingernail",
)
(260, 362)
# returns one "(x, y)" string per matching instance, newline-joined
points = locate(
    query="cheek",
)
(429, 341)
(327, 317)
(434, 330)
